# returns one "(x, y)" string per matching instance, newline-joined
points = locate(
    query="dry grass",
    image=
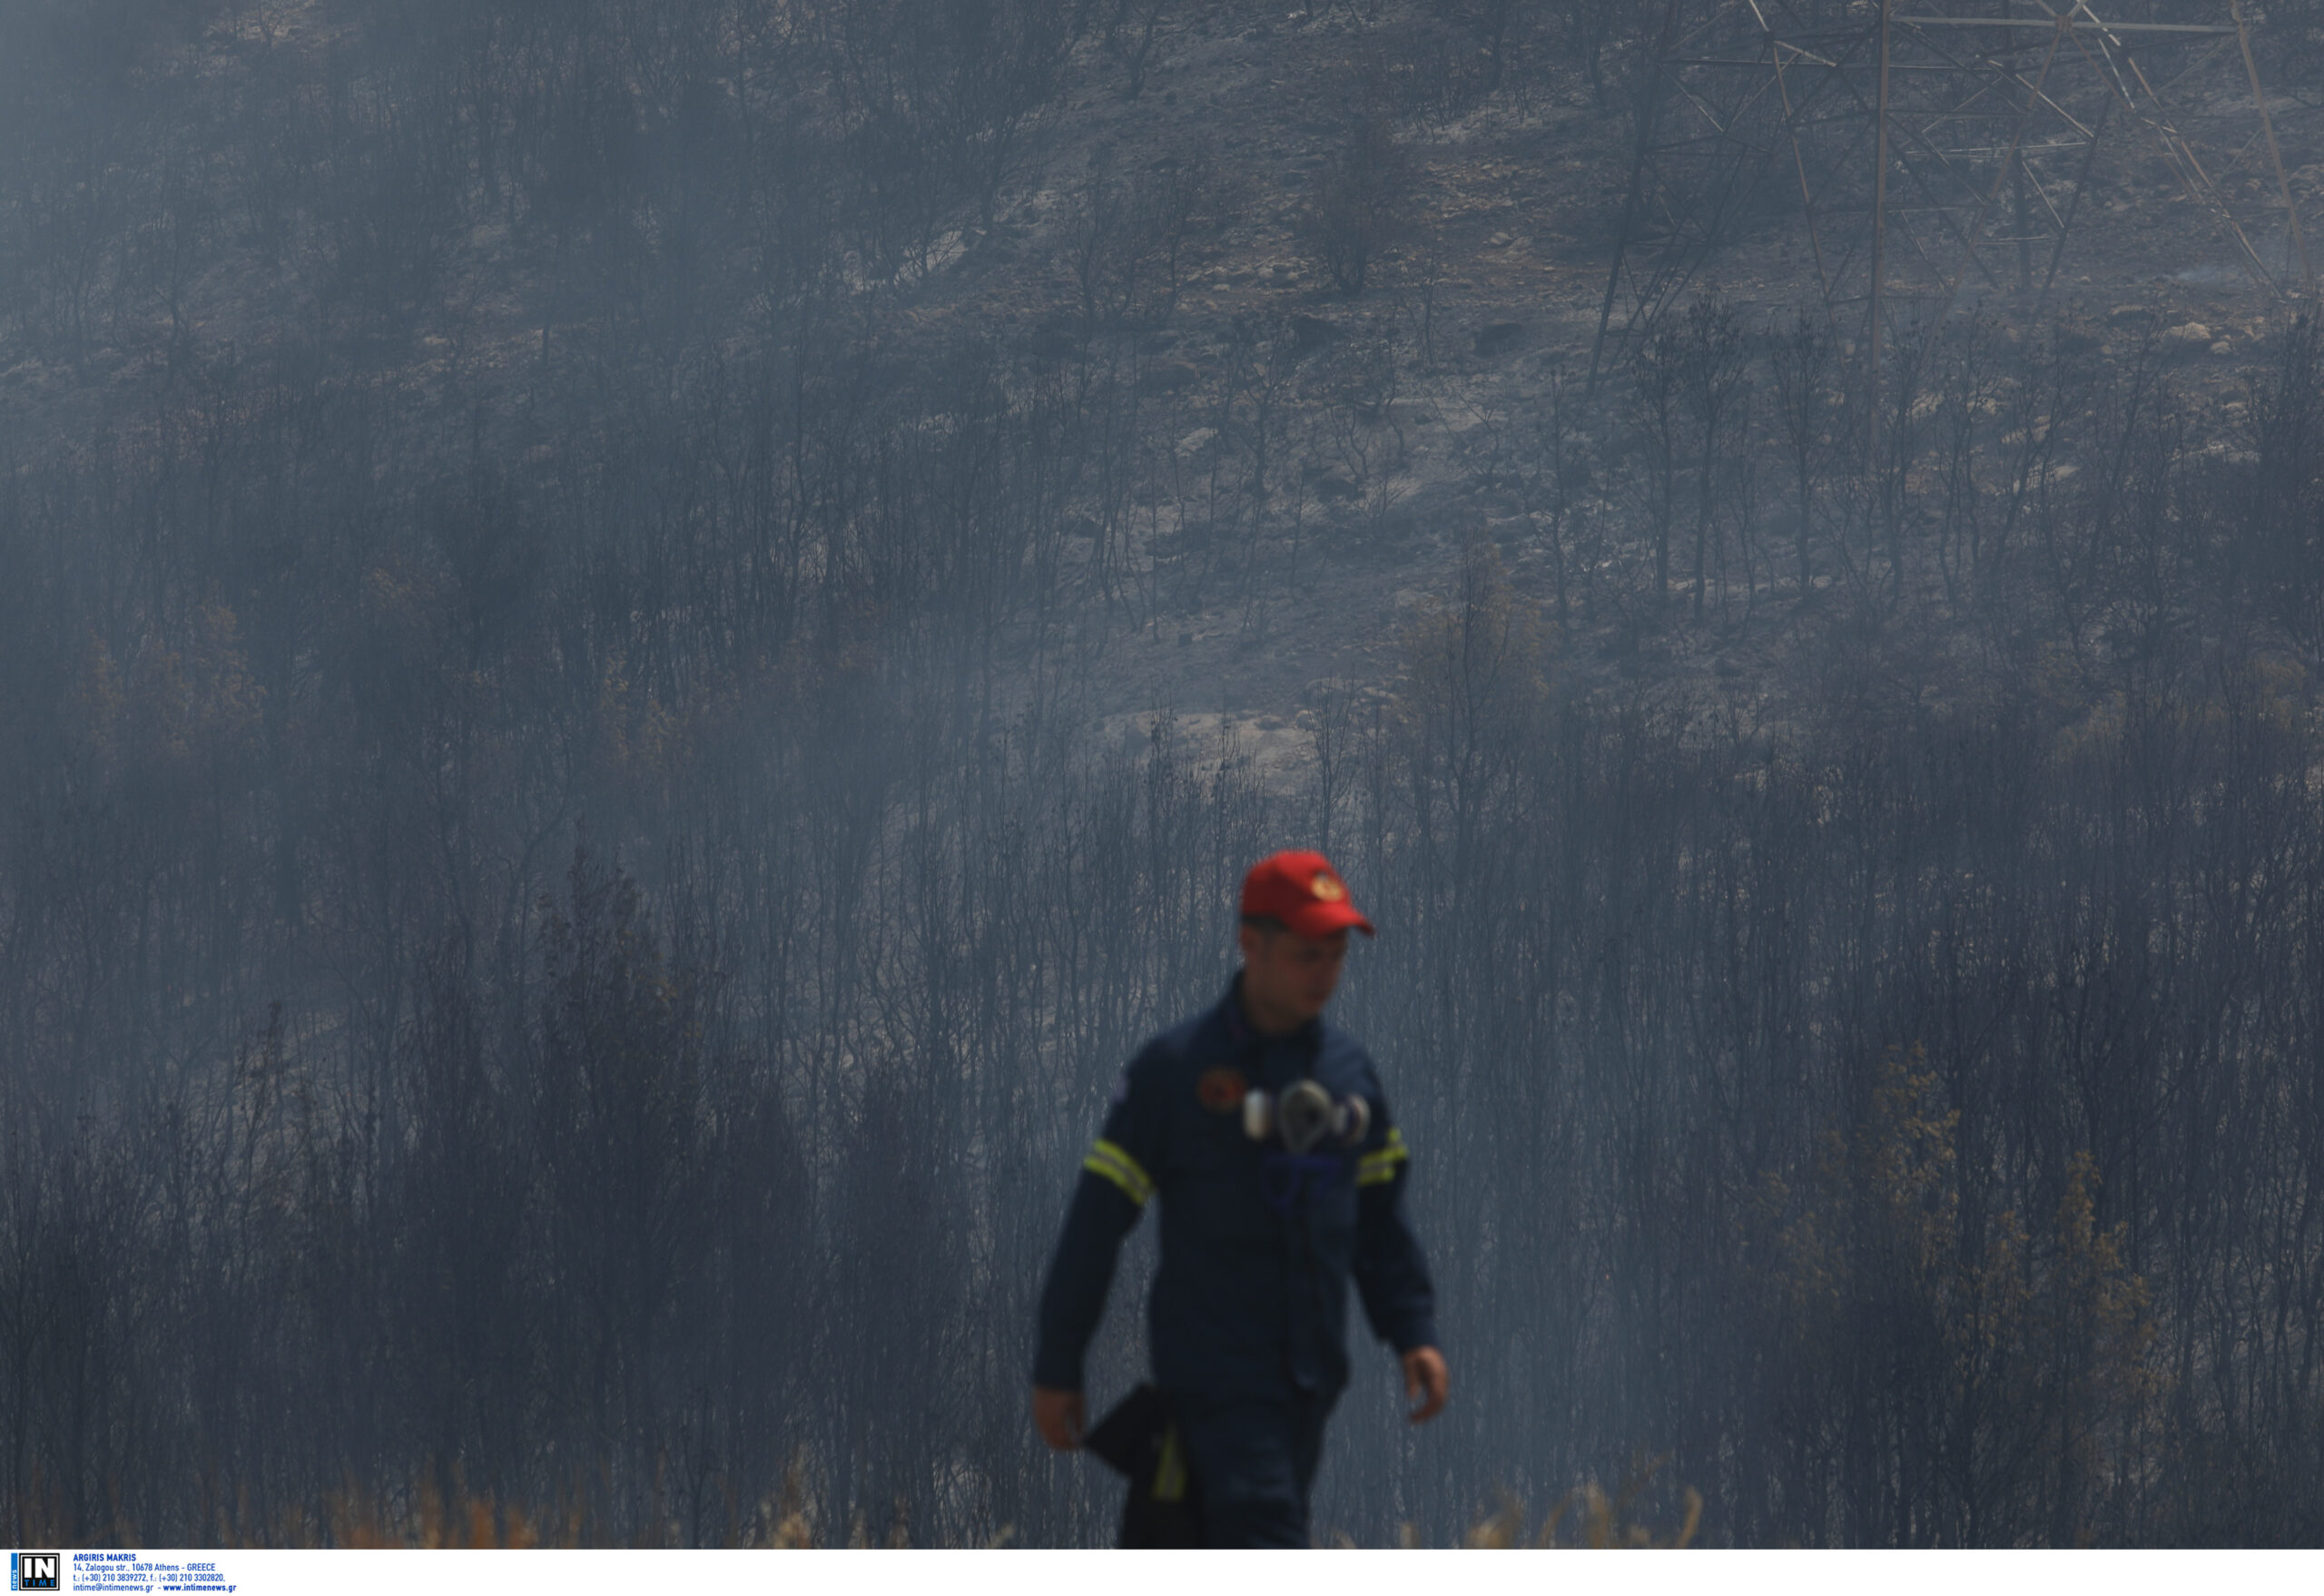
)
(428, 1518)
(1602, 1522)
(359, 1519)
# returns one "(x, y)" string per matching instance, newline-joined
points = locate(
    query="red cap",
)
(1304, 891)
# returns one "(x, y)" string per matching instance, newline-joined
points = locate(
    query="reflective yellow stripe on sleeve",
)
(1170, 1468)
(1379, 1167)
(1110, 1160)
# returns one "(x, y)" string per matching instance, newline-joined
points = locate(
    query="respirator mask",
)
(1302, 1118)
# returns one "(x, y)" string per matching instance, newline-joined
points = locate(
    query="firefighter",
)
(1266, 1134)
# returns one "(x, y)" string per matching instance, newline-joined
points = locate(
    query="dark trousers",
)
(1255, 1459)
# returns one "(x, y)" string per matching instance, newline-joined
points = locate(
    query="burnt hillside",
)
(641, 641)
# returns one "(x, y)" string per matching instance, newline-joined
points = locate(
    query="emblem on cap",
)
(1221, 1089)
(1328, 889)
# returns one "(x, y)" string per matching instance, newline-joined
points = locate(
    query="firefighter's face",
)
(1290, 974)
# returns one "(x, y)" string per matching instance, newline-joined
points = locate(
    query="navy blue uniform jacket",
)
(1251, 1298)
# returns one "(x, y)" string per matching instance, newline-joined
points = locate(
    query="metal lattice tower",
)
(1920, 147)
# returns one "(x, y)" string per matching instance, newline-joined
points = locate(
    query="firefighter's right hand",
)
(1056, 1415)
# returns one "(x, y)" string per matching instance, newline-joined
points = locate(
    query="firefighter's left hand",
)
(1425, 1383)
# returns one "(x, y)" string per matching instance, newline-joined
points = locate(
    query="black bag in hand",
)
(1140, 1439)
